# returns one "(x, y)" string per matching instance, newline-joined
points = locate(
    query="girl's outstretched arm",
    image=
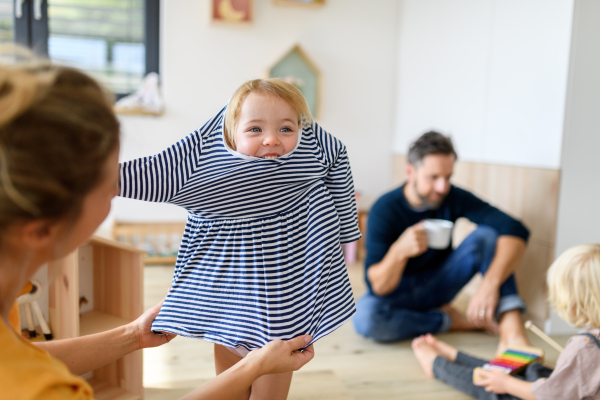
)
(276, 357)
(498, 382)
(160, 177)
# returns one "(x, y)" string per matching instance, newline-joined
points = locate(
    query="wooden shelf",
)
(137, 111)
(112, 274)
(95, 321)
(105, 391)
(114, 244)
(160, 260)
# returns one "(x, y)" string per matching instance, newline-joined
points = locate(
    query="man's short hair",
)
(431, 142)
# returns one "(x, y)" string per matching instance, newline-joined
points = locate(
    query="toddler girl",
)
(574, 287)
(270, 197)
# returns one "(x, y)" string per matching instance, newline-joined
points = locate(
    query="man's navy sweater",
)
(391, 215)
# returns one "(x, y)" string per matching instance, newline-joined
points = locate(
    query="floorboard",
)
(346, 366)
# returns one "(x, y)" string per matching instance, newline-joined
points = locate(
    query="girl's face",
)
(267, 127)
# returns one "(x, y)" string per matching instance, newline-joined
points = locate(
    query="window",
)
(6, 21)
(116, 41)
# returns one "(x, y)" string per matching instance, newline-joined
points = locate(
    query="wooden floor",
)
(346, 366)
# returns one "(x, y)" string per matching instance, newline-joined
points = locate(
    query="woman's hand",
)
(282, 356)
(141, 328)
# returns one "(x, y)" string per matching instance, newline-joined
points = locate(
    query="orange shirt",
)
(14, 319)
(28, 373)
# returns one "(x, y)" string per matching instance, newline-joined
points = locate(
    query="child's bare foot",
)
(442, 348)
(425, 354)
(459, 321)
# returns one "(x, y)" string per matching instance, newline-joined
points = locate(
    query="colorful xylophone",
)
(512, 360)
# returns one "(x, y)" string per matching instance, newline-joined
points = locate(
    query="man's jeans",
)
(416, 310)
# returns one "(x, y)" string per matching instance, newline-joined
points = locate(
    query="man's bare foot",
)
(512, 331)
(459, 321)
(442, 348)
(425, 354)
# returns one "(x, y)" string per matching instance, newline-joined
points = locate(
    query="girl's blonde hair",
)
(57, 129)
(272, 86)
(574, 285)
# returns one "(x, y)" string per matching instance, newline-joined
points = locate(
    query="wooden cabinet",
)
(96, 288)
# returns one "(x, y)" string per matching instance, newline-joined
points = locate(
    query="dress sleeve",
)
(340, 184)
(160, 177)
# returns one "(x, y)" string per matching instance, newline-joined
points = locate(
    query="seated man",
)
(410, 285)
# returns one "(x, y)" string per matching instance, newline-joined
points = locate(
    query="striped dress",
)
(260, 257)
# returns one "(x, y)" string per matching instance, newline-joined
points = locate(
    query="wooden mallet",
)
(529, 325)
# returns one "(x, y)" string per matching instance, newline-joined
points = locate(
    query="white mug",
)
(439, 232)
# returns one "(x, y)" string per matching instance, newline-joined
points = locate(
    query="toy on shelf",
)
(160, 240)
(29, 301)
(511, 361)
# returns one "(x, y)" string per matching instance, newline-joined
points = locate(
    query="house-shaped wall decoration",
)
(297, 68)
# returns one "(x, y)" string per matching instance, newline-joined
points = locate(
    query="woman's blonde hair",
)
(574, 285)
(272, 86)
(57, 129)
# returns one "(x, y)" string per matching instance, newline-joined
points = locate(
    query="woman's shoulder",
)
(27, 372)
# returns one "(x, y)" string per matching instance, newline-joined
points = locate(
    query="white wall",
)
(353, 42)
(579, 210)
(492, 73)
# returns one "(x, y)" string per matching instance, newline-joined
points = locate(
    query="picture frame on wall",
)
(300, 3)
(234, 12)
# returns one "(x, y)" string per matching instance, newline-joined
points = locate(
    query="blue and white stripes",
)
(260, 258)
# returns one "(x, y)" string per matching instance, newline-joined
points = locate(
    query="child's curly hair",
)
(574, 285)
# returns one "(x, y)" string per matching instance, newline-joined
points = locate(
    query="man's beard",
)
(430, 205)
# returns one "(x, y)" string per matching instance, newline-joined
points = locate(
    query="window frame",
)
(33, 33)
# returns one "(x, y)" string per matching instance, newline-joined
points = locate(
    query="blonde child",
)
(574, 287)
(270, 197)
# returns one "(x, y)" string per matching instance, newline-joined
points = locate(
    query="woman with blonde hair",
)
(59, 144)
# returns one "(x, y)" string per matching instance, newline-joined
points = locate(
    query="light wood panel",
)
(63, 300)
(529, 194)
(116, 295)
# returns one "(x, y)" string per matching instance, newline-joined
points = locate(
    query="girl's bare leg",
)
(271, 387)
(225, 359)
